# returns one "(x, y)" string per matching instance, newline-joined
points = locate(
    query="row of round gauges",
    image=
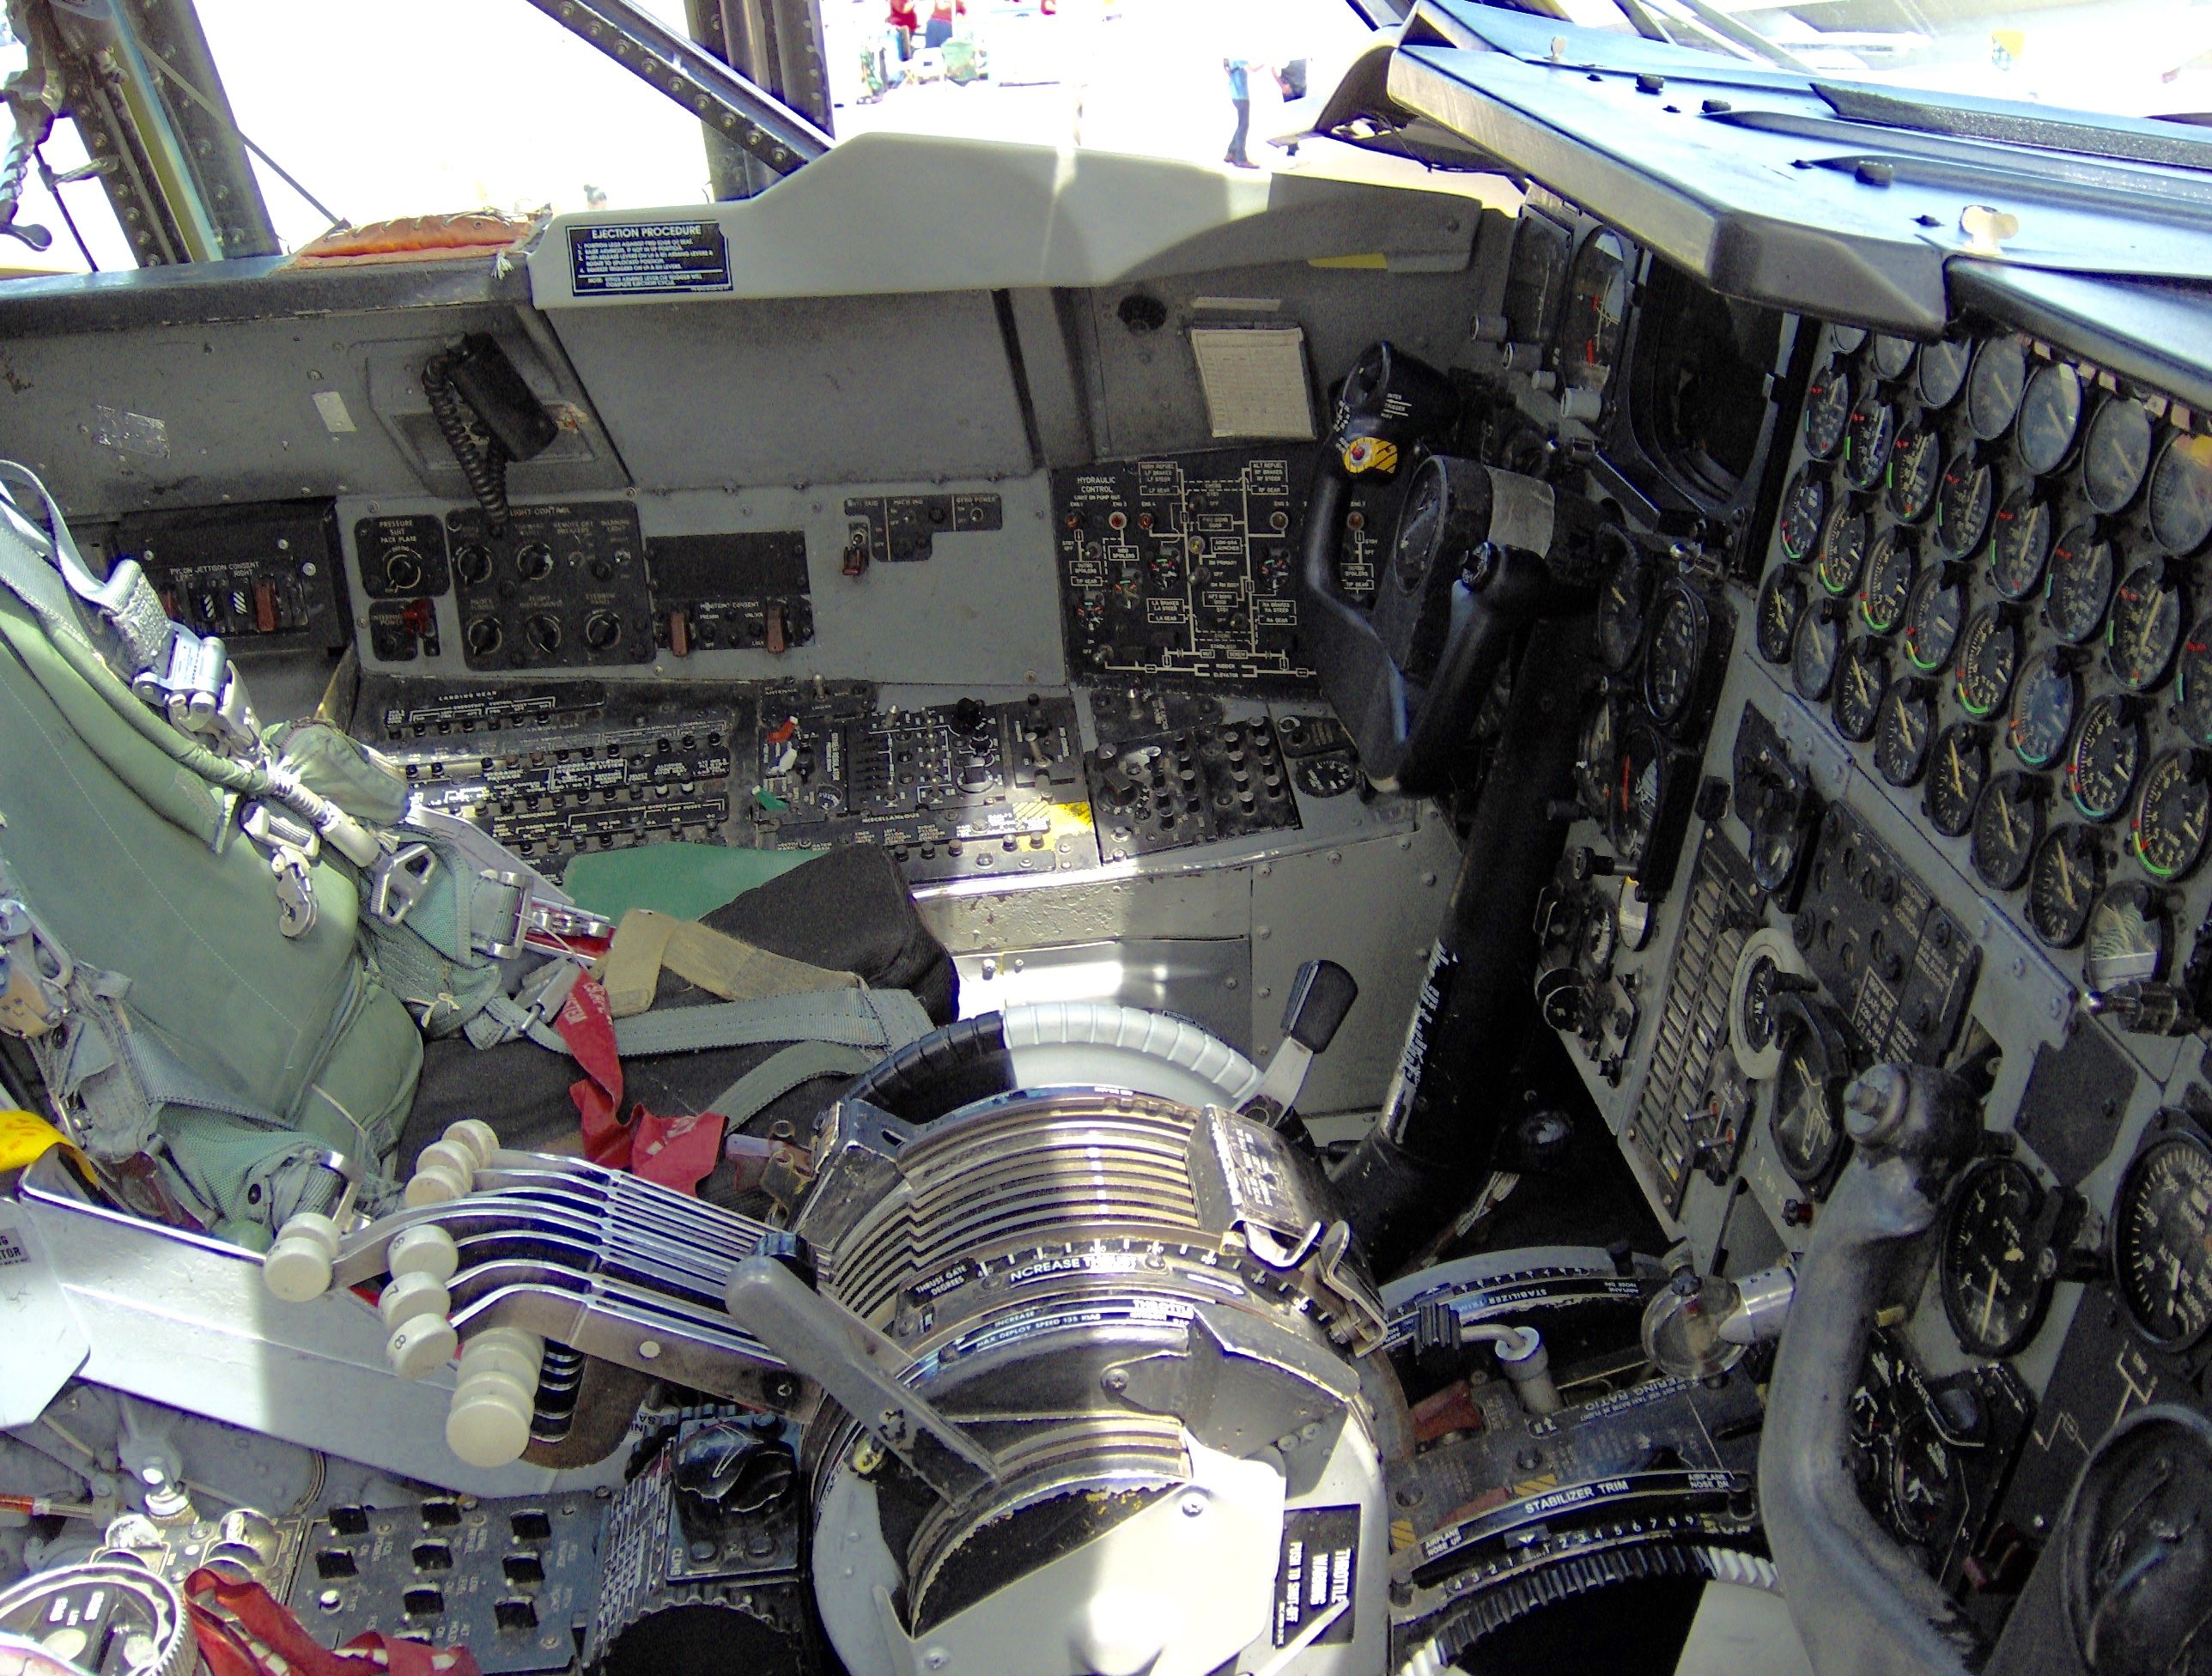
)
(1852, 418)
(2005, 1230)
(2099, 746)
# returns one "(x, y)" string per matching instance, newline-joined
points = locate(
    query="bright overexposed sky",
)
(396, 108)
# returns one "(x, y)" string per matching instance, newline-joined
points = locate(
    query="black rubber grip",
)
(944, 1071)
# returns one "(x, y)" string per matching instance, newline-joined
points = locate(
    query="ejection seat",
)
(224, 946)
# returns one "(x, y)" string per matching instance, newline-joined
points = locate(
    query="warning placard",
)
(633, 258)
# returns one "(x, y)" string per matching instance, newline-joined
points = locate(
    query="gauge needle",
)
(1958, 779)
(1990, 1300)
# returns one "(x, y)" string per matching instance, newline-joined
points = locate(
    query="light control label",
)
(644, 258)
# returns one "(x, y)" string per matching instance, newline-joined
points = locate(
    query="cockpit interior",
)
(1004, 910)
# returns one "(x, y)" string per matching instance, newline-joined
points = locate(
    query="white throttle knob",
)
(427, 1249)
(298, 1266)
(420, 1346)
(476, 1136)
(411, 1295)
(489, 1422)
(445, 1170)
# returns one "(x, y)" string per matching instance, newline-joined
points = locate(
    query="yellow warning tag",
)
(23, 1137)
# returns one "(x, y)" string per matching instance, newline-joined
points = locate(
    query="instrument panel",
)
(1945, 796)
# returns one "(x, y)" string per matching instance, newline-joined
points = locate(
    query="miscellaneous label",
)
(901, 529)
(642, 258)
(742, 589)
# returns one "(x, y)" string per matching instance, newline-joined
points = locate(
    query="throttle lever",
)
(1320, 995)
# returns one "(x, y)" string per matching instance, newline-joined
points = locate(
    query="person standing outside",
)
(903, 24)
(1240, 95)
(938, 29)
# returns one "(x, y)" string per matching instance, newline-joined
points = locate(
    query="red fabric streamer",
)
(241, 1629)
(675, 1153)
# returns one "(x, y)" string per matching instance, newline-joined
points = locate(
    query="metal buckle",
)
(270, 827)
(296, 891)
(505, 942)
(398, 879)
(565, 919)
(33, 1000)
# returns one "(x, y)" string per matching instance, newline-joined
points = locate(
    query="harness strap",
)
(647, 943)
(879, 1019)
(780, 1073)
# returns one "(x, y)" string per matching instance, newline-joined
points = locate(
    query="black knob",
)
(483, 635)
(1584, 864)
(403, 570)
(533, 562)
(543, 631)
(724, 1470)
(603, 630)
(474, 563)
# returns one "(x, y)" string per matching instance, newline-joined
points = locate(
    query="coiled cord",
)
(486, 467)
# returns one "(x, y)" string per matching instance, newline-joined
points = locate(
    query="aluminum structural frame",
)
(733, 106)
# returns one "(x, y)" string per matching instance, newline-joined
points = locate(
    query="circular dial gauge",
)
(2063, 884)
(1641, 794)
(2100, 776)
(2049, 414)
(1916, 473)
(2080, 586)
(2194, 708)
(1891, 565)
(2116, 454)
(1861, 680)
(2043, 706)
(2173, 811)
(1840, 551)
(2145, 631)
(1995, 387)
(2022, 544)
(1907, 724)
(1927, 1481)
(1933, 616)
(1997, 1264)
(1623, 602)
(1943, 370)
(1677, 659)
(1804, 1114)
(1596, 313)
(1965, 506)
(2008, 826)
(1815, 651)
(1867, 440)
(1988, 655)
(1956, 773)
(2127, 938)
(1597, 772)
(2181, 494)
(1782, 598)
(2162, 1242)
(1846, 340)
(1804, 504)
(1827, 410)
(1892, 356)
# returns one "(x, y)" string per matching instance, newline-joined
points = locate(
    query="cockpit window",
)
(2148, 59)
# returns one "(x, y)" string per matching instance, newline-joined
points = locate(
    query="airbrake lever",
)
(1320, 995)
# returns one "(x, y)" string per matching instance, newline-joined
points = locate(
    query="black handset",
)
(477, 372)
